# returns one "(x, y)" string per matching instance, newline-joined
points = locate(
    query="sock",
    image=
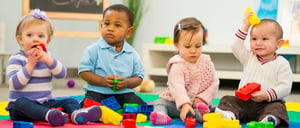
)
(202, 108)
(86, 115)
(270, 118)
(56, 118)
(226, 114)
(158, 118)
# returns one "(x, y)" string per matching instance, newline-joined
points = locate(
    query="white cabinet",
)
(156, 56)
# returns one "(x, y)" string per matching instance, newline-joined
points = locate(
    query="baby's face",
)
(264, 40)
(34, 35)
(189, 48)
(115, 27)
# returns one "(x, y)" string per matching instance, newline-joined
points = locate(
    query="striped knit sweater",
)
(274, 75)
(36, 86)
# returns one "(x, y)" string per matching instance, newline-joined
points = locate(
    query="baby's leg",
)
(160, 113)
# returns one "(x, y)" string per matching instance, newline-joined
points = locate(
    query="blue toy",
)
(111, 102)
(22, 124)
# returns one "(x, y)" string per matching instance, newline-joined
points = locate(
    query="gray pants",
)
(169, 108)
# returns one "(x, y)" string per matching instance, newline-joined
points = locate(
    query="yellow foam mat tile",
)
(2, 108)
(293, 106)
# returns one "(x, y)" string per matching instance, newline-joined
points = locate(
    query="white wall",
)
(220, 17)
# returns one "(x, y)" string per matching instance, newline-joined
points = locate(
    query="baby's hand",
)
(33, 56)
(246, 23)
(108, 80)
(196, 101)
(185, 109)
(259, 96)
(122, 83)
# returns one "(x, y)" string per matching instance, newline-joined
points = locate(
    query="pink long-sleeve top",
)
(186, 81)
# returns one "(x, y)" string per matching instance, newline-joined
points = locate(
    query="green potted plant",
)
(137, 7)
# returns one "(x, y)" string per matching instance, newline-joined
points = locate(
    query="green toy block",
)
(115, 84)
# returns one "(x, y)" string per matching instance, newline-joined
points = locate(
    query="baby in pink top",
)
(192, 82)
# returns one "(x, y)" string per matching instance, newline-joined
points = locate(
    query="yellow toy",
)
(214, 120)
(141, 118)
(109, 116)
(145, 86)
(253, 19)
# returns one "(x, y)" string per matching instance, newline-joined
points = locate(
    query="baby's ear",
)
(280, 42)
(130, 30)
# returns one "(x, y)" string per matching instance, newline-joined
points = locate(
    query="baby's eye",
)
(198, 46)
(187, 46)
(253, 38)
(106, 24)
(29, 35)
(265, 38)
(118, 25)
(41, 36)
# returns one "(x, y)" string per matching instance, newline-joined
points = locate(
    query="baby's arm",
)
(94, 79)
(131, 82)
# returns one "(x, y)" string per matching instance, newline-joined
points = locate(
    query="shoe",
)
(157, 118)
(226, 114)
(202, 108)
(56, 117)
(86, 115)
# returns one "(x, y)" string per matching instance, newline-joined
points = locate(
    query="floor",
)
(227, 87)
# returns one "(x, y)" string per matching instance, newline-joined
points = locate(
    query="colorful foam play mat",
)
(5, 122)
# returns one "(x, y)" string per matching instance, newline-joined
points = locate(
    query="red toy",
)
(190, 122)
(129, 123)
(129, 116)
(245, 92)
(88, 103)
(42, 45)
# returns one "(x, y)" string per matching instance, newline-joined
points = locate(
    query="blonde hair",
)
(37, 17)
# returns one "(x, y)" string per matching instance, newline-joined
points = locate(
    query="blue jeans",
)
(24, 109)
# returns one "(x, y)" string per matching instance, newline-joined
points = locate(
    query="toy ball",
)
(71, 83)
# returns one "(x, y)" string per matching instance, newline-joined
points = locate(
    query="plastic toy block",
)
(129, 123)
(120, 111)
(245, 92)
(190, 122)
(144, 108)
(253, 19)
(227, 123)
(129, 116)
(115, 84)
(212, 117)
(22, 124)
(88, 103)
(141, 118)
(214, 120)
(111, 102)
(128, 104)
(255, 124)
(109, 116)
(42, 45)
(130, 109)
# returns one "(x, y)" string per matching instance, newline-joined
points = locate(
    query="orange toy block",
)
(245, 92)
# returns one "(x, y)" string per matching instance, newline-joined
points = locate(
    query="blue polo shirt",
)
(102, 59)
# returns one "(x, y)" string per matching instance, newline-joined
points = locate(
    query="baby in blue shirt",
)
(110, 58)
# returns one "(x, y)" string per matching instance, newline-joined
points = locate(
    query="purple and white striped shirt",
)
(36, 86)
